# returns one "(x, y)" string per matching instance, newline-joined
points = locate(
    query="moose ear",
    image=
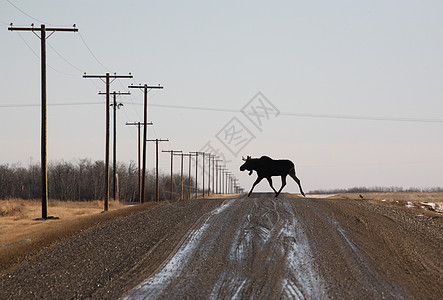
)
(243, 158)
(248, 158)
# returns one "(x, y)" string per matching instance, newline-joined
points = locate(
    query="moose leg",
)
(255, 183)
(292, 174)
(270, 183)
(283, 183)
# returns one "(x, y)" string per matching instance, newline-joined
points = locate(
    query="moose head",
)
(247, 165)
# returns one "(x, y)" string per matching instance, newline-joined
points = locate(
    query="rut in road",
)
(252, 248)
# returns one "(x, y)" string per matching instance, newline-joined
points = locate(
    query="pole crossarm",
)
(139, 123)
(173, 152)
(109, 76)
(115, 93)
(158, 140)
(12, 28)
(145, 86)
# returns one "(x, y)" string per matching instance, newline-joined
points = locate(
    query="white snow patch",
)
(409, 204)
(438, 207)
(321, 196)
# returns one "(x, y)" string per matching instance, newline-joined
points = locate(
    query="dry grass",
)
(21, 236)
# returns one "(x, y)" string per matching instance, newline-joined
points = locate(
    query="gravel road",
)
(256, 248)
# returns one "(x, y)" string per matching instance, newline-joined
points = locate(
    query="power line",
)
(311, 115)
(53, 104)
(304, 115)
(81, 36)
(367, 118)
(69, 63)
(92, 53)
(26, 14)
(29, 47)
(38, 56)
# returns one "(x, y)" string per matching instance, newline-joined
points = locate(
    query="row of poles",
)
(219, 181)
(227, 183)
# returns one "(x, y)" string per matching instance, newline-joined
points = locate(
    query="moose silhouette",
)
(267, 167)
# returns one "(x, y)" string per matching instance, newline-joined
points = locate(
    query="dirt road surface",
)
(244, 248)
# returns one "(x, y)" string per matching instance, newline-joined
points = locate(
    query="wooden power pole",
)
(44, 163)
(196, 153)
(107, 77)
(189, 174)
(138, 124)
(145, 88)
(115, 105)
(211, 156)
(157, 141)
(172, 169)
(181, 177)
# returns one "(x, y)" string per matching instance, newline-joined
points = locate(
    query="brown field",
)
(21, 236)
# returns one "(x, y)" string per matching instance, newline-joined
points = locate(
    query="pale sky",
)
(355, 87)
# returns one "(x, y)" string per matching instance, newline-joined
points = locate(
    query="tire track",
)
(271, 242)
(368, 278)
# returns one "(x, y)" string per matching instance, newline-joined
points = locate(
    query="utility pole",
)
(203, 172)
(224, 170)
(172, 169)
(145, 88)
(196, 153)
(157, 141)
(211, 156)
(115, 105)
(138, 124)
(189, 171)
(220, 178)
(44, 164)
(107, 77)
(228, 182)
(235, 185)
(228, 178)
(213, 173)
(181, 175)
(215, 176)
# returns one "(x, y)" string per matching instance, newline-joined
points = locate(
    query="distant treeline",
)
(379, 189)
(84, 181)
